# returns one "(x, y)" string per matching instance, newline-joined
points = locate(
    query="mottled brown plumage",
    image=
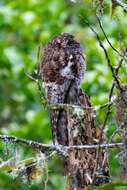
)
(62, 70)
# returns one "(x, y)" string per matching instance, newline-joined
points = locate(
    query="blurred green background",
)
(24, 24)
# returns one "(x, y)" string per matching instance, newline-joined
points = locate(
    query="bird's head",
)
(63, 59)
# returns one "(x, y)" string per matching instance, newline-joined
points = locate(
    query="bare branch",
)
(106, 55)
(109, 103)
(67, 106)
(100, 24)
(111, 90)
(105, 145)
(34, 144)
(58, 148)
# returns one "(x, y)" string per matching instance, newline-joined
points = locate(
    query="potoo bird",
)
(62, 70)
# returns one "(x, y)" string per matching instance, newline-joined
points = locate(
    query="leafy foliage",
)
(26, 24)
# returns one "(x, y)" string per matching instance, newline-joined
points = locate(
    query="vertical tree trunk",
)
(121, 118)
(85, 167)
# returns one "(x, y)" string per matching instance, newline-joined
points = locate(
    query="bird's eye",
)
(69, 43)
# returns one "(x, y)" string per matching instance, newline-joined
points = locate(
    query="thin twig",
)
(121, 4)
(49, 147)
(111, 90)
(31, 77)
(100, 24)
(109, 106)
(105, 145)
(120, 62)
(110, 103)
(33, 144)
(106, 55)
(122, 125)
(67, 106)
(121, 55)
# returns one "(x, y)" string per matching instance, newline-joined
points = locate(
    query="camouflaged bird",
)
(62, 70)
